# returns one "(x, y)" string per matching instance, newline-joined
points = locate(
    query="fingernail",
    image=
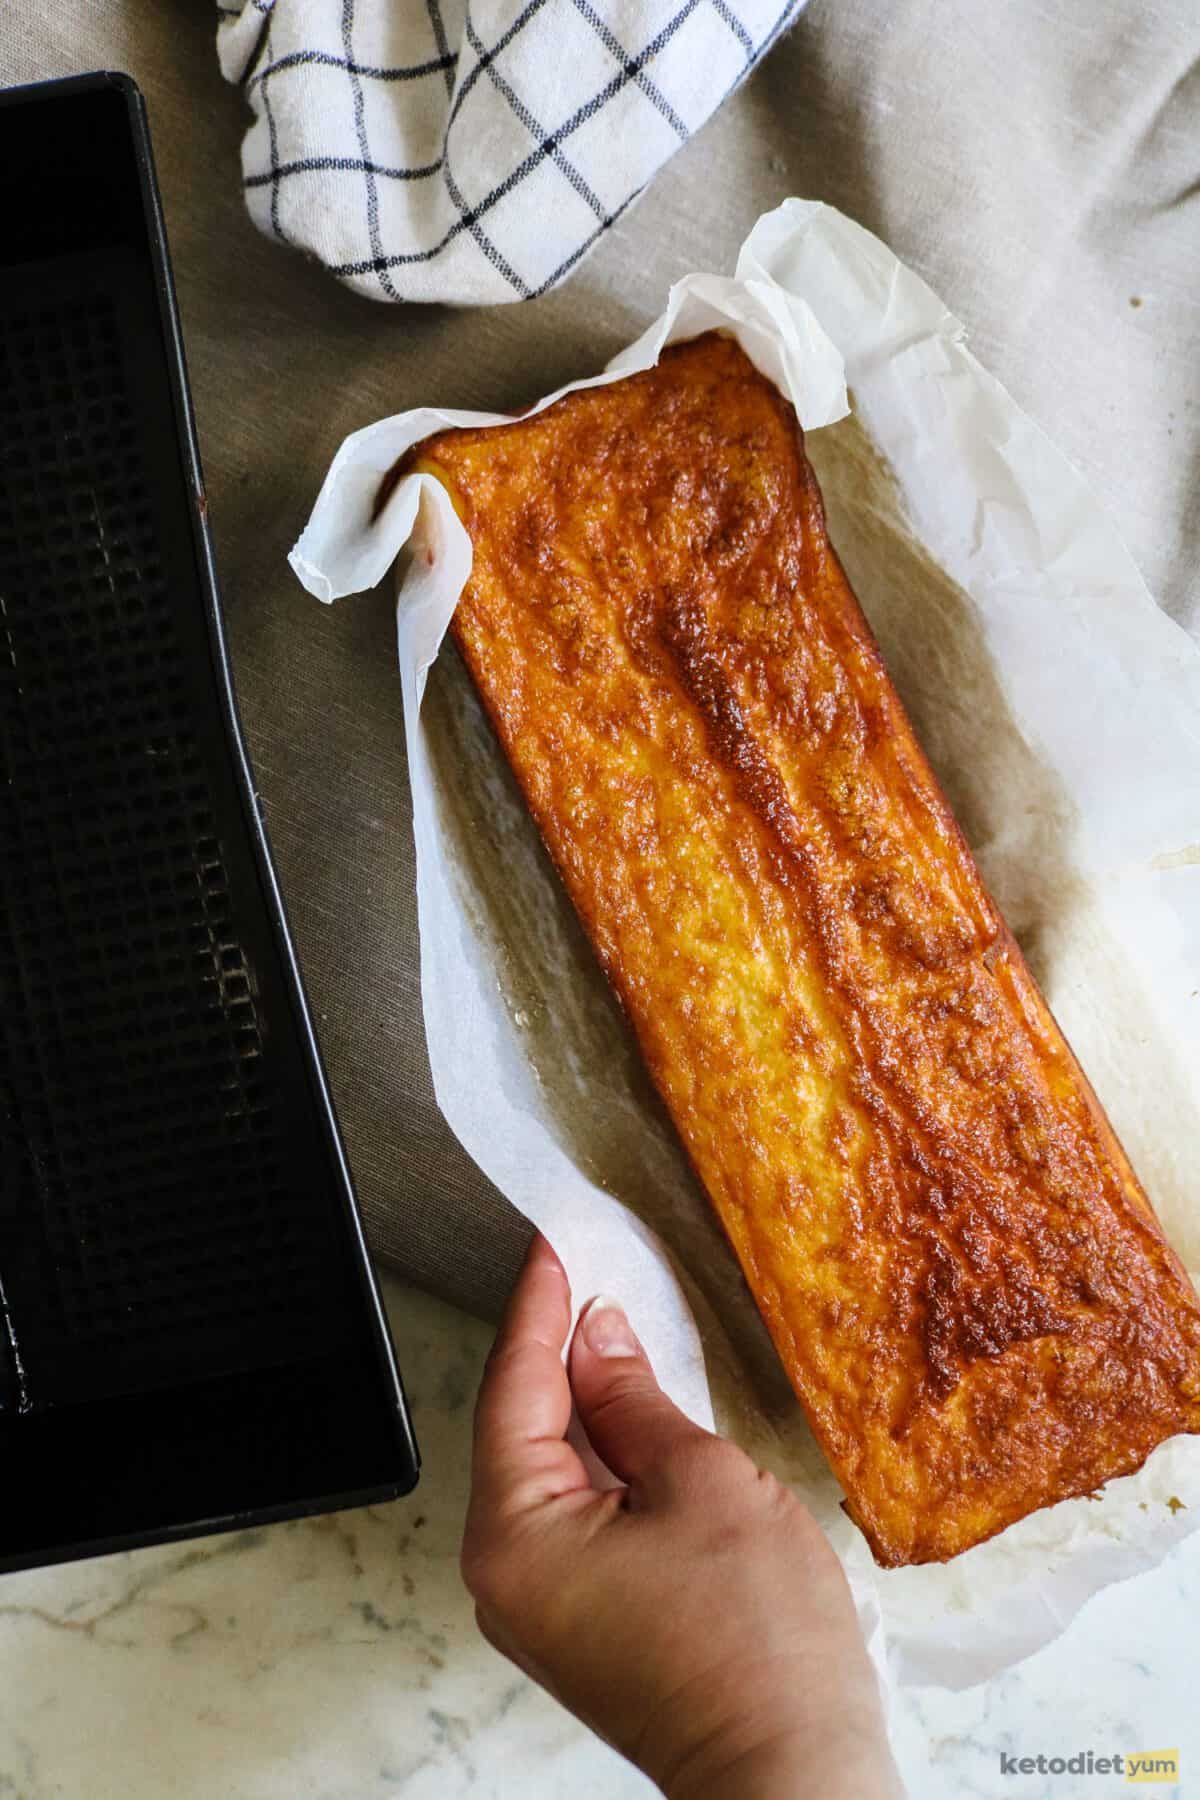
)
(606, 1330)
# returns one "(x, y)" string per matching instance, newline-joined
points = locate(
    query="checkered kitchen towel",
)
(472, 150)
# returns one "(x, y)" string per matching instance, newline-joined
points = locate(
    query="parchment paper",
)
(1061, 710)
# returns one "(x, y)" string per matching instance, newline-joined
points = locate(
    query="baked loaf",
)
(963, 1278)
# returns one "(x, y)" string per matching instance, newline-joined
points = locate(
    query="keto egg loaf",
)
(963, 1278)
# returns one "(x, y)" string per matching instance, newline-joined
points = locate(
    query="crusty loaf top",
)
(962, 1276)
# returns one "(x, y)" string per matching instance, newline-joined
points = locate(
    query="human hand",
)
(696, 1617)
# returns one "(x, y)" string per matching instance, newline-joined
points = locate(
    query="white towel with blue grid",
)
(472, 151)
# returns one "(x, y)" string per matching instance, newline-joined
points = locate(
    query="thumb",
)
(631, 1425)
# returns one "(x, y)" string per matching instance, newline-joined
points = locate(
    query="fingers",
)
(524, 1401)
(632, 1426)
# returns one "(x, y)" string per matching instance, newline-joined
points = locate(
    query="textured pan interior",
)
(145, 1223)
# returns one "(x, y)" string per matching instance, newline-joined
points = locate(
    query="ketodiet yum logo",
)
(1134, 1765)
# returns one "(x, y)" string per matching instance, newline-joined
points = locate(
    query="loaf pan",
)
(191, 1338)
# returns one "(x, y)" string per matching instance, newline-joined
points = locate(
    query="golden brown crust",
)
(964, 1280)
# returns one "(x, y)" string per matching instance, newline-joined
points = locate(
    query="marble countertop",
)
(337, 1659)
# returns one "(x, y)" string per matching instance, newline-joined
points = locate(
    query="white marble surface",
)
(338, 1659)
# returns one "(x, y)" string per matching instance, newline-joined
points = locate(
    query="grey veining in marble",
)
(337, 1659)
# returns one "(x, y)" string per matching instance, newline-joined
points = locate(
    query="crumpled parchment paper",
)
(1061, 710)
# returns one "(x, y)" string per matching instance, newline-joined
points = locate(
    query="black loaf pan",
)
(190, 1333)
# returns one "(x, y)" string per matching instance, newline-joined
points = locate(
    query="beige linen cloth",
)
(1040, 166)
